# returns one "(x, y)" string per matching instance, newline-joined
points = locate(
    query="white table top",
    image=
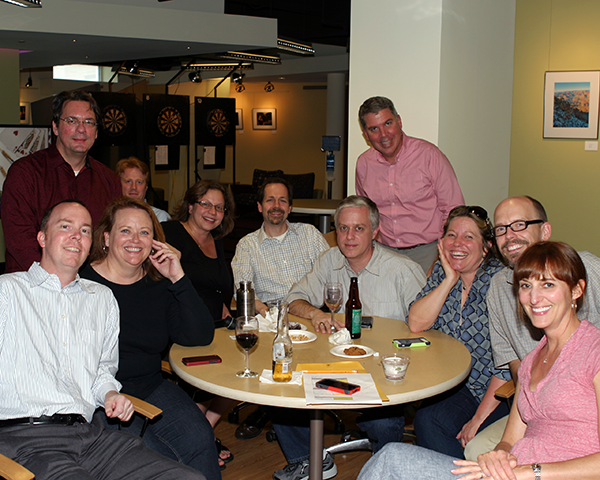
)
(433, 369)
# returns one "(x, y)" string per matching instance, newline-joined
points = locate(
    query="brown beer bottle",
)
(353, 310)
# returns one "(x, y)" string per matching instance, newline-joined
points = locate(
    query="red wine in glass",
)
(247, 340)
(246, 334)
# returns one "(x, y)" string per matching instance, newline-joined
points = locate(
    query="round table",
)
(432, 370)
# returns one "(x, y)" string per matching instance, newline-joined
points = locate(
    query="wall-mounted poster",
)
(571, 104)
(239, 120)
(264, 119)
(19, 141)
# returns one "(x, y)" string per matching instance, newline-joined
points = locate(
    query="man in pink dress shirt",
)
(410, 180)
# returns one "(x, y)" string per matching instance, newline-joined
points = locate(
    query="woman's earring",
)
(104, 248)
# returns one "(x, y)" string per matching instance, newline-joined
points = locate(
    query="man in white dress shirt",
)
(58, 357)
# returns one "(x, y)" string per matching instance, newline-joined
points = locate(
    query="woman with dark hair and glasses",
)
(453, 301)
(203, 218)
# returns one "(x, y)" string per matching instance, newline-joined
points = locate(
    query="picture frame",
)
(240, 119)
(24, 111)
(264, 118)
(571, 102)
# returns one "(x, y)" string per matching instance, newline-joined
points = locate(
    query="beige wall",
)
(551, 36)
(9, 87)
(447, 65)
(295, 147)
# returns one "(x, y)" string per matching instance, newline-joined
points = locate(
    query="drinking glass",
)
(332, 294)
(246, 334)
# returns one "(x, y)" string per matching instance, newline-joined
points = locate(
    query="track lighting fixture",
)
(269, 87)
(195, 77)
(25, 3)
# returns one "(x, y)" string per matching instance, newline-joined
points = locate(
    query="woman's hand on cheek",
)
(166, 260)
(451, 274)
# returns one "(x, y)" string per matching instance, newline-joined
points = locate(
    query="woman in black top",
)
(158, 305)
(204, 217)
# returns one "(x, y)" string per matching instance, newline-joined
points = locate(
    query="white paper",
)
(209, 155)
(162, 155)
(368, 394)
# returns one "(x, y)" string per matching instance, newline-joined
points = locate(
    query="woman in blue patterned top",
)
(453, 302)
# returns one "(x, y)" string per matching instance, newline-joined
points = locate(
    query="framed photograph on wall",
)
(24, 110)
(240, 121)
(264, 119)
(571, 104)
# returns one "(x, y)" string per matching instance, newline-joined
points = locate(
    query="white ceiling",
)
(100, 31)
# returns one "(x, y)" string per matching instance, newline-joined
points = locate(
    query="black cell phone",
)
(411, 342)
(338, 386)
(366, 322)
(201, 360)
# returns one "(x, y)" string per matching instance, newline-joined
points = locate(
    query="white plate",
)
(302, 327)
(338, 351)
(312, 336)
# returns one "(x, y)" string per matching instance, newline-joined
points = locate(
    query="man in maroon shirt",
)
(62, 171)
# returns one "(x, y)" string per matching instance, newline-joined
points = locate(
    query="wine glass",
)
(332, 294)
(246, 334)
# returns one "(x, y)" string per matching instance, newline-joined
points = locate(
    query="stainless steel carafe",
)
(245, 299)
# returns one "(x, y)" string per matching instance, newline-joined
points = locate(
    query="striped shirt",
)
(272, 264)
(387, 285)
(58, 346)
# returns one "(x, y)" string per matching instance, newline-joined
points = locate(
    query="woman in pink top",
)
(552, 431)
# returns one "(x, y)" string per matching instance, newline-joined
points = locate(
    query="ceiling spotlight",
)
(134, 70)
(29, 81)
(238, 77)
(195, 77)
(240, 88)
(26, 3)
(269, 87)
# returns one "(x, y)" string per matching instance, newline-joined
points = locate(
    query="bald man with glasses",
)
(62, 171)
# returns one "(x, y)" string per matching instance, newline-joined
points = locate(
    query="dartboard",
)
(114, 120)
(169, 121)
(217, 122)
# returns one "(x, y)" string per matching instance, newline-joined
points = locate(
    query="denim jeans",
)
(181, 433)
(441, 418)
(381, 424)
(401, 461)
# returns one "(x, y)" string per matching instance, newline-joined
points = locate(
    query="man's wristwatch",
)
(537, 471)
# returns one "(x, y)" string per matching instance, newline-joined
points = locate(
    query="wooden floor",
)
(257, 459)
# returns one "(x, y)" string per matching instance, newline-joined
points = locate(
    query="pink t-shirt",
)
(562, 413)
(414, 194)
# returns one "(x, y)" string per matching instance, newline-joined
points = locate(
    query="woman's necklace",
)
(546, 359)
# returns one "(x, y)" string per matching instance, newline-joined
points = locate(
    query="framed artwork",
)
(571, 104)
(264, 119)
(24, 109)
(239, 120)
(17, 141)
